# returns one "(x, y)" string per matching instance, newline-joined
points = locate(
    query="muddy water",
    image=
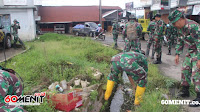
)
(123, 98)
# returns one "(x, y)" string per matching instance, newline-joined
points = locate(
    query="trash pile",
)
(68, 96)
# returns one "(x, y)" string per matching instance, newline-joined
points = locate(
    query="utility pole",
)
(100, 13)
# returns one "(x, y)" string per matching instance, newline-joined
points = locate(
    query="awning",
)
(196, 10)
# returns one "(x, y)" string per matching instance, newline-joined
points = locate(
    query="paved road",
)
(168, 66)
(9, 53)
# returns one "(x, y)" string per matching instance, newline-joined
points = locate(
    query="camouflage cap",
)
(157, 15)
(14, 20)
(175, 16)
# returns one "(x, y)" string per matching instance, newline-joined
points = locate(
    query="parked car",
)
(5, 24)
(87, 29)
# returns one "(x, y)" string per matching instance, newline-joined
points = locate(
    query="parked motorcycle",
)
(101, 36)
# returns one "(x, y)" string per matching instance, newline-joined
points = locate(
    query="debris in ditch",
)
(64, 84)
(97, 74)
(165, 96)
(77, 82)
(67, 96)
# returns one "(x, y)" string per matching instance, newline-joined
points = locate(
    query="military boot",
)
(169, 53)
(153, 52)
(147, 52)
(195, 102)
(184, 92)
(158, 61)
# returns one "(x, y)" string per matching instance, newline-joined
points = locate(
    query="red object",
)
(71, 13)
(67, 102)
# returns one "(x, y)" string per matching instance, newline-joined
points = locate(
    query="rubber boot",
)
(196, 101)
(184, 92)
(138, 94)
(169, 53)
(109, 88)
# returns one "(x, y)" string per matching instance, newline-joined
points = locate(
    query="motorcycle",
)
(101, 36)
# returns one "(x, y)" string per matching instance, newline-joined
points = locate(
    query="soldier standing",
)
(132, 31)
(189, 34)
(171, 34)
(115, 31)
(151, 29)
(136, 67)
(158, 38)
(15, 27)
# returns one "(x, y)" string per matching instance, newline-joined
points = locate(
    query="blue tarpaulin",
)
(79, 26)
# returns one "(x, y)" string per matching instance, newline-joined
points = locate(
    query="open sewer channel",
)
(123, 99)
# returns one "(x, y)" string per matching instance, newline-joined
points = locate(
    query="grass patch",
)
(56, 57)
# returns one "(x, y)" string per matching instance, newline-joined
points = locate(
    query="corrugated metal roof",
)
(71, 13)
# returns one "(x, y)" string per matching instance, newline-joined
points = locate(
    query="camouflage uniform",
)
(159, 29)
(133, 63)
(190, 35)
(10, 85)
(133, 45)
(115, 32)
(151, 29)
(171, 35)
(15, 34)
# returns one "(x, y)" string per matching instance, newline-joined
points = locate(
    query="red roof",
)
(71, 13)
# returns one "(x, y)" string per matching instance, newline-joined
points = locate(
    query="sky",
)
(120, 3)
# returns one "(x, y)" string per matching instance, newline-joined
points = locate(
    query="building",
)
(23, 11)
(61, 19)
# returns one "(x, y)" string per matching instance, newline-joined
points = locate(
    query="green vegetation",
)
(157, 86)
(55, 57)
(93, 95)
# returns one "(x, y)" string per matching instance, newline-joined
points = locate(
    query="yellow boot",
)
(138, 94)
(109, 88)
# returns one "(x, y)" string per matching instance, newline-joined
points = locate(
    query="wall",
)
(26, 20)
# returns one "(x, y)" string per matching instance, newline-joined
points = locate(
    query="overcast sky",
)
(120, 3)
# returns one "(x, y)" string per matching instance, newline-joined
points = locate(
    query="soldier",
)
(158, 38)
(115, 31)
(15, 27)
(132, 31)
(10, 85)
(136, 67)
(151, 29)
(171, 34)
(189, 34)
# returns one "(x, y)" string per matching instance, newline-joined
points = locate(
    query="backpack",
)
(132, 31)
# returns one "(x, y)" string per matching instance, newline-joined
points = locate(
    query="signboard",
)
(37, 2)
(174, 3)
(15, 2)
(196, 10)
(156, 5)
(146, 2)
(129, 6)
